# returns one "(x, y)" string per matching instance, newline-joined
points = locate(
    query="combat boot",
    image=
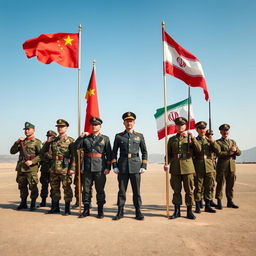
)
(190, 214)
(23, 204)
(120, 213)
(33, 205)
(100, 212)
(55, 208)
(230, 204)
(43, 203)
(212, 204)
(76, 204)
(198, 209)
(86, 211)
(219, 204)
(201, 204)
(176, 212)
(67, 208)
(138, 214)
(208, 208)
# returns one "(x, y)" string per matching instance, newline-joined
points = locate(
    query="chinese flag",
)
(92, 109)
(59, 47)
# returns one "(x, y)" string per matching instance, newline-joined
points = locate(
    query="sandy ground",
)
(228, 232)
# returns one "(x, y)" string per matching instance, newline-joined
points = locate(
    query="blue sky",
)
(124, 37)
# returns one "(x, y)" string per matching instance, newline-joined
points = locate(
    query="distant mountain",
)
(247, 156)
(8, 158)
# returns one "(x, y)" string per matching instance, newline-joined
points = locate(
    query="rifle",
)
(24, 152)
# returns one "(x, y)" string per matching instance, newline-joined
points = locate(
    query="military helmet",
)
(129, 115)
(62, 122)
(28, 125)
(180, 120)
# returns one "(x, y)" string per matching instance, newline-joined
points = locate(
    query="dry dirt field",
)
(228, 232)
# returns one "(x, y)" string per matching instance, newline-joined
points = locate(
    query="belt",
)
(178, 156)
(58, 157)
(30, 157)
(129, 155)
(203, 157)
(94, 154)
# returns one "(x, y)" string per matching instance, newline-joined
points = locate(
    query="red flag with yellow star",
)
(92, 109)
(59, 47)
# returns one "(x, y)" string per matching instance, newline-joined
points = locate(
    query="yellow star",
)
(89, 93)
(68, 40)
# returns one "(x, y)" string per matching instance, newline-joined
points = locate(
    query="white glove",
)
(116, 170)
(142, 170)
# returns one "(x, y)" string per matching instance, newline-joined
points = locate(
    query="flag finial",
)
(80, 27)
(94, 63)
(163, 23)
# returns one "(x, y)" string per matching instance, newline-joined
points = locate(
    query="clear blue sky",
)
(124, 37)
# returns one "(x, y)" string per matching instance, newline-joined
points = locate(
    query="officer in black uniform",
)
(97, 164)
(129, 166)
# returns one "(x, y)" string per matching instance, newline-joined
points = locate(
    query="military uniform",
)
(45, 163)
(205, 171)
(129, 164)
(226, 169)
(97, 158)
(182, 169)
(27, 175)
(63, 160)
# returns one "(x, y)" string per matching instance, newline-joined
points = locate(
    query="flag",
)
(180, 109)
(59, 47)
(92, 109)
(182, 64)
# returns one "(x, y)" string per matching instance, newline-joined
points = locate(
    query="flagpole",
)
(79, 119)
(188, 116)
(79, 78)
(210, 115)
(167, 180)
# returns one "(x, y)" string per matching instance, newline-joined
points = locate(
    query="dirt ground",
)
(228, 232)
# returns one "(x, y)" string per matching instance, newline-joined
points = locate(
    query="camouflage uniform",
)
(27, 176)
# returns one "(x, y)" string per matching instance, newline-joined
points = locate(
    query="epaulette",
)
(137, 133)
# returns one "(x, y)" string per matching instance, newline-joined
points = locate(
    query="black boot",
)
(208, 208)
(67, 208)
(76, 204)
(176, 212)
(33, 205)
(219, 204)
(120, 213)
(100, 212)
(138, 214)
(23, 204)
(43, 203)
(198, 210)
(55, 208)
(212, 204)
(190, 214)
(201, 204)
(230, 204)
(86, 211)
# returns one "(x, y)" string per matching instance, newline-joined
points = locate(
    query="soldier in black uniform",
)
(129, 166)
(97, 164)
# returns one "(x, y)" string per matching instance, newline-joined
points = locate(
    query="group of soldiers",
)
(190, 160)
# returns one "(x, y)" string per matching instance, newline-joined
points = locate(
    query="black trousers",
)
(99, 179)
(123, 179)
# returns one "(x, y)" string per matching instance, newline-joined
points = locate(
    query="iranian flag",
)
(183, 65)
(180, 109)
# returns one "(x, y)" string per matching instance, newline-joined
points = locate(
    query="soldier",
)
(226, 167)
(97, 164)
(129, 166)
(27, 165)
(45, 162)
(204, 166)
(181, 167)
(62, 166)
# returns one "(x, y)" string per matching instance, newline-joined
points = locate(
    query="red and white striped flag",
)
(182, 64)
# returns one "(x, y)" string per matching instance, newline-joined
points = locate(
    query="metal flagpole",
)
(79, 120)
(188, 116)
(167, 181)
(210, 116)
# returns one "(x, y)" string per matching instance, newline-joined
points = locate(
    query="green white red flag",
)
(179, 109)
